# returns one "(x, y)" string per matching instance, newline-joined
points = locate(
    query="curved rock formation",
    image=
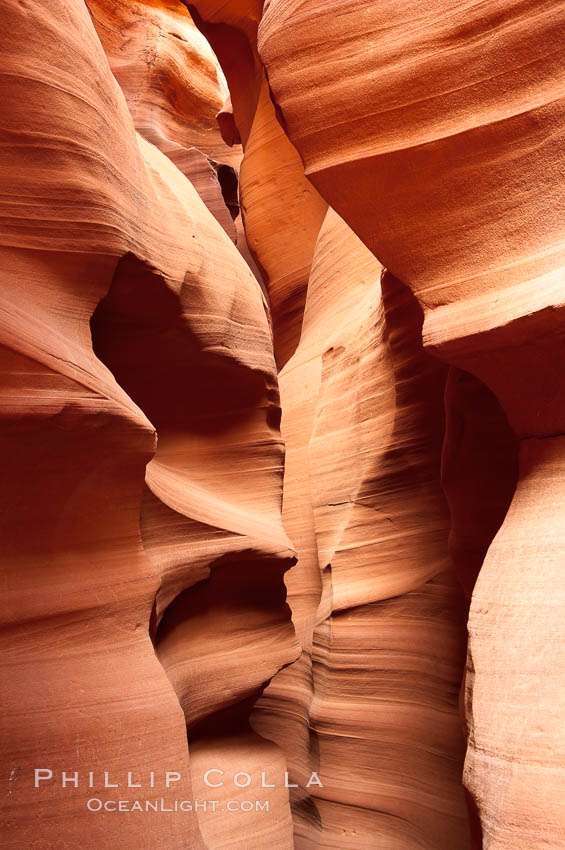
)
(281, 210)
(363, 413)
(195, 194)
(98, 223)
(283, 214)
(447, 164)
(174, 88)
(424, 143)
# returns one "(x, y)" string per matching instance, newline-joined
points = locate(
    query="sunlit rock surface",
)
(383, 635)
(447, 162)
(127, 311)
(282, 408)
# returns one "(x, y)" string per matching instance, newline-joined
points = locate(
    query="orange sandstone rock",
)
(106, 245)
(436, 132)
(283, 214)
(149, 513)
(174, 88)
(363, 414)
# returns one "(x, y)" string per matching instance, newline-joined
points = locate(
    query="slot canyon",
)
(282, 355)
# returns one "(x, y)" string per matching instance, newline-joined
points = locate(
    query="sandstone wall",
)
(282, 364)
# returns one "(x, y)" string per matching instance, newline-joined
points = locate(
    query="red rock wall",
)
(383, 649)
(217, 214)
(447, 163)
(136, 344)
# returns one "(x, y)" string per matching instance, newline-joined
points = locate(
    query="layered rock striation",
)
(282, 367)
(139, 387)
(447, 164)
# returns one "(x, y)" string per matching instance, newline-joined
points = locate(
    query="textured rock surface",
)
(98, 223)
(150, 514)
(283, 214)
(281, 209)
(174, 88)
(363, 413)
(448, 165)
(423, 147)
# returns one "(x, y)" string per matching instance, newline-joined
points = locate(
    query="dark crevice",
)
(139, 331)
(479, 471)
(229, 184)
(243, 593)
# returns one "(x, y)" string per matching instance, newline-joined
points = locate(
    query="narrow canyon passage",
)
(281, 357)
